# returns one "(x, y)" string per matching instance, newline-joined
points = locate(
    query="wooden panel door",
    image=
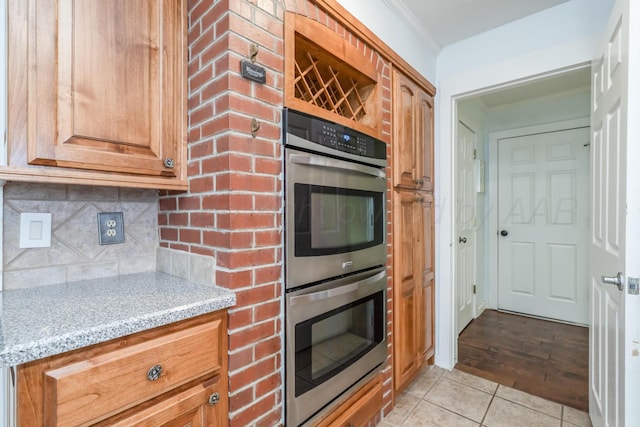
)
(406, 288)
(424, 141)
(104, 83)
(424, 235)
(413, 135)
(404, 148)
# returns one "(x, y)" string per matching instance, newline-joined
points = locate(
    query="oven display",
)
(329, 136)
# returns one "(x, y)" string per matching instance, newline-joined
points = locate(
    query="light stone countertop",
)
(48, 320)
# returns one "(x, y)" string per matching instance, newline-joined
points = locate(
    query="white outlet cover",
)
(35, 230)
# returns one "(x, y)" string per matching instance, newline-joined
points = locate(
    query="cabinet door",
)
(406, 288)
(424, 234)
(413, 135)
(104, 85)
(404, 137)
(424, 141)
(191, 407)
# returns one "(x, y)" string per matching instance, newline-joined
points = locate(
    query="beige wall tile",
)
(75, 248)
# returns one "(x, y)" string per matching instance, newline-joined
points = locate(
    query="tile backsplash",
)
(75, 253)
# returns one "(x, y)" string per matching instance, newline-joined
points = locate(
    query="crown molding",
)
(407, 17)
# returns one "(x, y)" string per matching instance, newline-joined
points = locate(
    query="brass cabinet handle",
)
(154, 372)
(419, 182)
(419, 199)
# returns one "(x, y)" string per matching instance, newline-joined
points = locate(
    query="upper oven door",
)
(335, 217)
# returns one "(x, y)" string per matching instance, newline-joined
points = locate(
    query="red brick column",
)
(233, 209)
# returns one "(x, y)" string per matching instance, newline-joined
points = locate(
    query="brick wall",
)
(233, 210)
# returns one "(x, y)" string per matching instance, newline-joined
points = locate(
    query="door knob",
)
(504, 233)
(462, 240)
(617, 280)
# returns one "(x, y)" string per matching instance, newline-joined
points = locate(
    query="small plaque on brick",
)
(253, 72)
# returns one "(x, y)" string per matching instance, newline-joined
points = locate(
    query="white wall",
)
(556, 39)
(384, 23)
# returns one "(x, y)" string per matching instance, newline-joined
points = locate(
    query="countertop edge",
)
(16, 354)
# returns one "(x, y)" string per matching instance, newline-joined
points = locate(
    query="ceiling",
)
(443, 22)
(440, 23)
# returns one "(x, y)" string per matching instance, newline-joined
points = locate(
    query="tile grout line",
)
(532, 409)
(448, 410)
(493, 396)
(451, 411)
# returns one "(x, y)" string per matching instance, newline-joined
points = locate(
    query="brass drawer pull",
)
(154, 372)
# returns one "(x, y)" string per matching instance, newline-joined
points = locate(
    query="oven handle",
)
(308, 298)
(336, 164)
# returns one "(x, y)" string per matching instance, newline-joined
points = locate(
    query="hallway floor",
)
(540, 357)
(442, 398)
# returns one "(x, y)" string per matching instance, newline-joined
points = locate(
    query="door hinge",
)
(474, 289)
(475, 154)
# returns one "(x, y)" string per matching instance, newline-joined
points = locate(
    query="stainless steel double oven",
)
(335, 255)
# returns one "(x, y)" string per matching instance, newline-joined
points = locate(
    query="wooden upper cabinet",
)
(412, 135)
(98, 86)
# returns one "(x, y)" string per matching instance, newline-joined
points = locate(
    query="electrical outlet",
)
(110, 228)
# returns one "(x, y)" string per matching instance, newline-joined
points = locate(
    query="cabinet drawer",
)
(102, 385)
(363, 410)
(191, 407)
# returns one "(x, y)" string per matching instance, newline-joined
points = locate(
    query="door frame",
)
(446, 354)
(492, 189)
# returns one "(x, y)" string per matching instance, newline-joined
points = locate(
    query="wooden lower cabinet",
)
(359, 410)
(190, 407)
(175, 375)
(413, 297)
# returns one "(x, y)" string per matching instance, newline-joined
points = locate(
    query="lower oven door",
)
(335, 336)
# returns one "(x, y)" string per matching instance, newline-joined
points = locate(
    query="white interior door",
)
(614, 351)
(465, 225)
(543, 193)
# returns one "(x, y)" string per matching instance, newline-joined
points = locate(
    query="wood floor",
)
(543, 358)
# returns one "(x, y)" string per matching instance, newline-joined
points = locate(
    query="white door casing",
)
(543, 224)
(465, 224)
(614, 350)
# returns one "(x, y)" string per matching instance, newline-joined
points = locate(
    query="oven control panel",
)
(332, 136)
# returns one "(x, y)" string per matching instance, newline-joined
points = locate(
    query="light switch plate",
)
(35, 230)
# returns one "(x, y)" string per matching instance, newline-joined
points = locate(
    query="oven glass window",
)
(329, 343)
(331, 220)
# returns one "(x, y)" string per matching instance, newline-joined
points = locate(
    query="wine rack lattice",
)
(341, 91)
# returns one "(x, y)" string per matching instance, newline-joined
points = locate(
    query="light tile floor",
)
(442, 398)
